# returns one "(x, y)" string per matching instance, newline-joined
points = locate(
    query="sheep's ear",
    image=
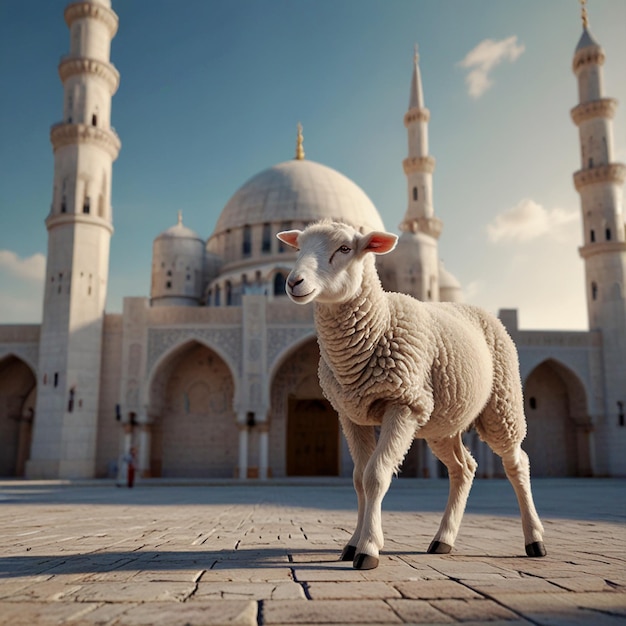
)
(290, 237)
(378, 242)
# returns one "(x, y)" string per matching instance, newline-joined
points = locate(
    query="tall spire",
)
(416, 99)
(583, 13)
(300, 144)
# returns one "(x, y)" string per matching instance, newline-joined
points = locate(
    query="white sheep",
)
(415, 369)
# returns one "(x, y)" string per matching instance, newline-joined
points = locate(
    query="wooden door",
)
(312, 438)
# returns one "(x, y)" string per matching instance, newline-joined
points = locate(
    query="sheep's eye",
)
(344, 249)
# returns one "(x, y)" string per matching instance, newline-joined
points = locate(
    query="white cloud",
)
(31, 268)
(484, 57)
(526, 221)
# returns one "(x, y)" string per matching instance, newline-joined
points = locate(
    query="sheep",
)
(415, 370)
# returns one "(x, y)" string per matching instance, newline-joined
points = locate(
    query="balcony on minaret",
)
(610, 173)
(70, 65)
(604, 107)
(65, 134)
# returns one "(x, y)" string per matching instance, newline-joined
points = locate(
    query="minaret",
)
(417, 256)
(599, 183)
(79, 231)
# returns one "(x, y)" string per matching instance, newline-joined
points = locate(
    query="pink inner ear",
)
(380, 243)
(290, 237)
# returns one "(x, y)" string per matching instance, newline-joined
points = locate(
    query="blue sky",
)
(211, 92)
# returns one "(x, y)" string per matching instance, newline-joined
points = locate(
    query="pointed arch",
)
(18, 396)
(304, 433)
(191, 409)
(559, 424)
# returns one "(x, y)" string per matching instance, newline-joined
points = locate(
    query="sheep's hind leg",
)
(396, 434)
(361, 442)
(461, 469)
(517, 468)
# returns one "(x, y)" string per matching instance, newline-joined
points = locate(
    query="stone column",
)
(243, 451)
(143, 456)
(263, 451)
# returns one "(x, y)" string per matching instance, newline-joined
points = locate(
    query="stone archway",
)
(304, 436)
(555, 404)
(18, 394)
(194, 431)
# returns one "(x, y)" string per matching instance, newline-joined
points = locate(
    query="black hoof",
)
(365, 561)
(348, 553)
(438, 547)
(536, 549)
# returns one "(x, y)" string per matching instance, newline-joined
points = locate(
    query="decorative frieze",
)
(416, 115)
(431, 226)
(70, 134)
(70, 66)
(604, 107)
(419, 164)
(226, 340)
(610, 173)
(554, 339)
(587, 56)
(81, 10)
(280, 339)
(602, 247)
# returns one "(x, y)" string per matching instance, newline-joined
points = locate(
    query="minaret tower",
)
(417, 257)
(79, 231)
(599, 183)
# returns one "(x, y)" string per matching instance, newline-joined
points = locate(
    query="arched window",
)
(414, 193)
(218, 295)
(247, 241)
(282, 246)
(94, 120)
(279, 284)
(608, 234)
(592, 236)
(86, 205)
(266, 245)
(229, 293)
(594, 291)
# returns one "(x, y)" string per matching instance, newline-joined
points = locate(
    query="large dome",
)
(299, 191)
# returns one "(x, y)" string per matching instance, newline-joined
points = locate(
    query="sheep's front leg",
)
(396, 434)
(361, 442)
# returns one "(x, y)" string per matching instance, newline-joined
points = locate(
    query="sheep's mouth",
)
(299, 298)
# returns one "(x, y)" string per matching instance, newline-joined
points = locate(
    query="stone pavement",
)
(265, 553)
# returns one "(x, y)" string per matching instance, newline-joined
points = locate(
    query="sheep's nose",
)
(294, 282)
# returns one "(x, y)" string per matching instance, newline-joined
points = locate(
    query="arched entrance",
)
(194, 431)
(305, 429)
(18, 394)
(558, 423)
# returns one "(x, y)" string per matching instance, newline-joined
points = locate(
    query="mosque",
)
(215, 375)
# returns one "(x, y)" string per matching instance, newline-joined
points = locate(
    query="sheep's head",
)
(329, 267)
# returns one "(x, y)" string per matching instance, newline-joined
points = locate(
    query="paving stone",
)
(250, 591)
(208, 613)
(434, 589)
(514, 585)
(351, 591)
(127, 592)
(471, 609)
(569, 609)
(328, 612)
(419, 612)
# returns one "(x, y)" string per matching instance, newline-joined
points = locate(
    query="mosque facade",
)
(215, 375)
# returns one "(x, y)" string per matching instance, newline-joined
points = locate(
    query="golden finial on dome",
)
(583, 13)
(300, 144)
(180, 218)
